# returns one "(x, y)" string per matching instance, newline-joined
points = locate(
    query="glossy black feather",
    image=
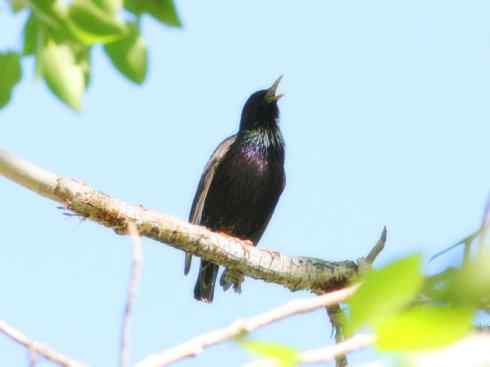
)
(203, 187)
(240, 186)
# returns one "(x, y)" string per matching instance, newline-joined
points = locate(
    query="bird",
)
(240, 186)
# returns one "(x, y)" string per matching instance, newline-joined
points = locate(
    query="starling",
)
(241, 185)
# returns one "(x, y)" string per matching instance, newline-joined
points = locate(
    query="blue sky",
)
(386, 122)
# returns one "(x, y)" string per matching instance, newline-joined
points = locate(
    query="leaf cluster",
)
(60, 36)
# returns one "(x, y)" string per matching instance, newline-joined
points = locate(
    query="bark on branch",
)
(292, 272)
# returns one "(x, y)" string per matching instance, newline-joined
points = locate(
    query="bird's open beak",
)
(271, 92)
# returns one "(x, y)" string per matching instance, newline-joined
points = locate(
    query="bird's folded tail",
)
(204, 289)
(232, 278)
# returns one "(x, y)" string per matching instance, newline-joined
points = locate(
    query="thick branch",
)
(196, 345)
(38, 348)
(28, 175)
(292, 272)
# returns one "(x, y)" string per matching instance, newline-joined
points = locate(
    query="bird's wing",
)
(203, 188)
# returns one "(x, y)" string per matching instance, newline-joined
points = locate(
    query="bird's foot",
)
(230, 278)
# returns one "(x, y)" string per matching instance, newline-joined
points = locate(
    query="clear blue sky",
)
(386, 120)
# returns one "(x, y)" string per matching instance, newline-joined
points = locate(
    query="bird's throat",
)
(263, 138)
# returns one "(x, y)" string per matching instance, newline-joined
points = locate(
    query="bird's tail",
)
(204, 289)
(232, 278)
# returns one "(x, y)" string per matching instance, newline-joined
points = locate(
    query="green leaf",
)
(52, 13)
(110, 6)
(52, 18)
(64, 76)
(471, 285)
(385, 291)
(93, 25)
(162, 10)
(424, 327)
(36, 32)
(82, 55)
(465, 286)
(130, 56)
(30, 33)
(10, 75)
(134, 6)
(285, 356)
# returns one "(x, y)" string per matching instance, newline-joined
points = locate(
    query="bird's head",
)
(261, 109)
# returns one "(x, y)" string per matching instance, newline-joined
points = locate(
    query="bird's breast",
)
(245, 189)
(258, 162)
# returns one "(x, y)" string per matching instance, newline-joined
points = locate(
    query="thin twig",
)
(466, 241)
(136, 270)
(335, 314)
(325, 354)
(38, 348)
(239, 327)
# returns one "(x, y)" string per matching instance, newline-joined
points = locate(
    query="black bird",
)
(241, 185)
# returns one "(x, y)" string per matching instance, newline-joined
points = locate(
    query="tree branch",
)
(28, 175)
(195, 346)
(325, 354)
(292, 272)
(38, 348)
